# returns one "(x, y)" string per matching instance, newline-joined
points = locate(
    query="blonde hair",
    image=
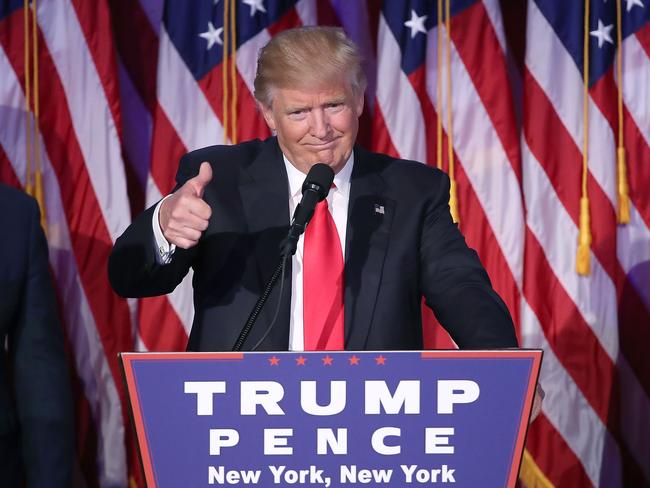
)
(308, 57)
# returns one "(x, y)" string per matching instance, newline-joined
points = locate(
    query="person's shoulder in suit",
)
(19, 221)
(402, 175)
(224, 159)
(16, 206)
(36, 418)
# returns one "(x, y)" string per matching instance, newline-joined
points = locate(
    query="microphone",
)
(315, 188)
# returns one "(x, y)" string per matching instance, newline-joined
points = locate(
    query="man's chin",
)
(329, 157)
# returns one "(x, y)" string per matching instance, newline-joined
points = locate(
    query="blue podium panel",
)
(395, 419)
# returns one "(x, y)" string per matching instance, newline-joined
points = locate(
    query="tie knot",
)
(322, 205)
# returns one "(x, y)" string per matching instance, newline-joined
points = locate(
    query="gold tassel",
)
(38, 173)
(584, 236)
(39, 195)
(453, 201)
(623, 188)
(621, 165)
(34, 174)
(584, 239)
(530, 474)
(29, 187)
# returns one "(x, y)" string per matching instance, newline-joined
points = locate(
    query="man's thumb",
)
(202, 179)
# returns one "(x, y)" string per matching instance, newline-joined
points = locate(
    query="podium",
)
(394, 419)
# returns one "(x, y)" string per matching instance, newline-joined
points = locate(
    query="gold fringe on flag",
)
(621, 165)
(229, 72)
(584, 236)
(530, 474)
(34, 175)
(453, 195)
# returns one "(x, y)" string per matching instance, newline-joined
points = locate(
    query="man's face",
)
(316, 125)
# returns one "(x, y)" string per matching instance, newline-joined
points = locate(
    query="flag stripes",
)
(128, 87)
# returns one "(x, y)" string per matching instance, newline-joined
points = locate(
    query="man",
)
(387, 220)
(36, 420)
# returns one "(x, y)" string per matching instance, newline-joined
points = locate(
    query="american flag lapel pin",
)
(379, 209)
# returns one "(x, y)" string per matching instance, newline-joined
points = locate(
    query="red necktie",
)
(322, 283)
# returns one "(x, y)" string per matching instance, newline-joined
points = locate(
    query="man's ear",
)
(267, 113)
(358, 104)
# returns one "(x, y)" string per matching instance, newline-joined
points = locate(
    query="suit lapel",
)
(370, 216)
(264, 192)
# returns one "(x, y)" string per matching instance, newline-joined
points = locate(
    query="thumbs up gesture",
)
(184, 215)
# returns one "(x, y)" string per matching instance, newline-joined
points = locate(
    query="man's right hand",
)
(184, 215)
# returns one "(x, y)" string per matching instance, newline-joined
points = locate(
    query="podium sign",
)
(395, 419)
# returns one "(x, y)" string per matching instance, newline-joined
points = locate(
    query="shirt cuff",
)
(164, 250)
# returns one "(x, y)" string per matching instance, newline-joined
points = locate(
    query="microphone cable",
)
(283, 264)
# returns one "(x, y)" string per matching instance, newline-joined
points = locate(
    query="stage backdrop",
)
(99, 99)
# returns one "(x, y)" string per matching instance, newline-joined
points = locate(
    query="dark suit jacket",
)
(401, 244)
(36, 419)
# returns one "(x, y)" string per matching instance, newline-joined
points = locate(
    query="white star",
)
(416, 24)
(632, 3)
(603, 33)
(212, 35)
(255, 5)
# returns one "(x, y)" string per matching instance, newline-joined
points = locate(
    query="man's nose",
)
(320, 124)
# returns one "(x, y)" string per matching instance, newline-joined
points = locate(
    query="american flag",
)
(595, 330)
(126, 87)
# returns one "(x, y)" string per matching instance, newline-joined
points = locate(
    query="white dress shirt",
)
(337, 201)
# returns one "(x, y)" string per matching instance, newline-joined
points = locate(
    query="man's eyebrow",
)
(335, 100)
(299, 108)
(295, 108)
